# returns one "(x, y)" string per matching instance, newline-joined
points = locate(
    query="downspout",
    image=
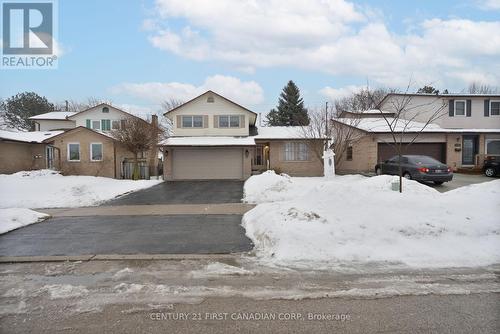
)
(114, 159)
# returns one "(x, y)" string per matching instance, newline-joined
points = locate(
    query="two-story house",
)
(464, 129)
(216, 138)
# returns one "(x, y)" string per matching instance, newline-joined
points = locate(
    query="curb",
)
(115, 257)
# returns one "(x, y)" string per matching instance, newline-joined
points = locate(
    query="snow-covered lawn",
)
(318, 222)
(49, 189)
(13, 218)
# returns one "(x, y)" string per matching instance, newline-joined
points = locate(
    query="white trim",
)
(489, 141)
(79, 152)
(489, 110)
(455, 108)
(102, 151)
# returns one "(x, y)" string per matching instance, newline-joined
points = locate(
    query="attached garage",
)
(207, 163)
(434, 150)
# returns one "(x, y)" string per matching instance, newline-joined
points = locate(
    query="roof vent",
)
(210, 99)
(105, 110)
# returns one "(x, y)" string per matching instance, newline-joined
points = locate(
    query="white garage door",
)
(208, 163)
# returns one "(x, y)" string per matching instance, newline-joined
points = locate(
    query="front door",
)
(49, 153)
(469, 150)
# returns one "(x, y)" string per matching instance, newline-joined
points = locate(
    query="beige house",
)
(465, 131)
(215, 138)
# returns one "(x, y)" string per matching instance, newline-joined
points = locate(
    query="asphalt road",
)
(173, 234)
(185, 192)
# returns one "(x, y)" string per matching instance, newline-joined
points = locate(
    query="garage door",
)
(209, 163)
(435, 150)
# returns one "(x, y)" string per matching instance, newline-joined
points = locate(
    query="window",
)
(105, 125)
(210, 99)
(115, 125)
(494, 108)
(459, 108)
(96, 152)
(295, 151)
(96, 125)
(192, 121)
(493, 146)
(229, 121)
(349, 153)
(105, 110)
(73, 151)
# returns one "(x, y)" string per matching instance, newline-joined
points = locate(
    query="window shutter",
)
(88, 125)
(179, 121)
(123, 123)
(216, 121)
(486, 108)
(468, 112)
(205, 121)
(242, 121)
(451, 108)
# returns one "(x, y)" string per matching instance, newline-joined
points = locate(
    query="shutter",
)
(179, 121)
(242, 121)
(123, 123)
(216, 121)
(205, 121)
(88, 123)
(486, 108)
(451, 108)
(103, 124)
(468, 112)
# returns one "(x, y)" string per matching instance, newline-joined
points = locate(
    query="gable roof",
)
(54, 115)
(497, 96)
(28, 137)
(107, 105)
(211, 91)
(80, 128)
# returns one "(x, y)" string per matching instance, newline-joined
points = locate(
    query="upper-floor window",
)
(115, 125)
(229, 121)
(96, 125)
(460, 108)
(105, 110)
(495, 108)
(296, 151)
(192, 121)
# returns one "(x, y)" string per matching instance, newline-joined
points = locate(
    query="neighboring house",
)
(25, 150)
(466, 131)
(56, 120)
(215, 138)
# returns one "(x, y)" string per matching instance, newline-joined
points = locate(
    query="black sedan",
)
(416, 167)
(492, 166)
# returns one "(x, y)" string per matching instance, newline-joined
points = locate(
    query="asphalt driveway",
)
(461, 180)
(185, 192)
(174, 234)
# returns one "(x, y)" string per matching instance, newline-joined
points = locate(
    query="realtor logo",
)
(28, 34)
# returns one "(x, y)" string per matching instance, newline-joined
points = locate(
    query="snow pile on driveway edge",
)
(14, 218)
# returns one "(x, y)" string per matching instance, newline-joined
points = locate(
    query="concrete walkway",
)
(152, 210)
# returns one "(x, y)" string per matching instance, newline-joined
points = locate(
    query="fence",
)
(128, 169)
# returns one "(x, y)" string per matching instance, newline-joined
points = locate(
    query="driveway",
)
(172, 234)
(461, 180)
(185, 192)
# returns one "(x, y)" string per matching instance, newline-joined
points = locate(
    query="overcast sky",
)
(138, 53)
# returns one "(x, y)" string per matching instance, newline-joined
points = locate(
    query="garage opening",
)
(434, 150)
(207, 163)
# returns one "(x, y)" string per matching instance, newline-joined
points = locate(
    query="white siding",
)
(97, 114)
(49, 125)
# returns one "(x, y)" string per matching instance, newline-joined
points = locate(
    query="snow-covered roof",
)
(209, 141)
(280, 132)
(54, 115)
(380, 125)
(371, 111)
(28, 137)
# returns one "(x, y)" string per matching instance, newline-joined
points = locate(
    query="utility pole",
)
(67, 105)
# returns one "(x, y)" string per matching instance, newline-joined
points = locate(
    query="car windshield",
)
(424, 160)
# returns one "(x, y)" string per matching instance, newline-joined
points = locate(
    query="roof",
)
(108, 105)
(209, 141)
(28, 137)
(105, 134)
(370, 111)
(54, 115)
(280, 132)
(438, 95)
(211, 91)
(379, 125)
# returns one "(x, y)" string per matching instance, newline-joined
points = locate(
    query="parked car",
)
(491, 166)
(416, 167)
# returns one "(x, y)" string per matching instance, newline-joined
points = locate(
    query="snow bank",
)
(49, 189)
(13, 218)
(315, 221)
(217, 269)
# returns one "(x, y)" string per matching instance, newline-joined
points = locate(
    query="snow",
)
(217, 269)
(283, 132)
(54, 115)
(209, 141)
(400, 125)
(28, 137)
(14, 218)
(49, 189)
(315, 222)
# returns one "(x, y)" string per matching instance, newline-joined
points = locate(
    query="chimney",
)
(154, 120)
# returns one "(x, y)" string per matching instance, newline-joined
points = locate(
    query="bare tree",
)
(170, 104)
(365, 99)
(404, 129)
(317, 132)
(138, 136)
(477, 87)
(76, 106)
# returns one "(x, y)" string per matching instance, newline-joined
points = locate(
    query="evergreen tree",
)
(428, 90)
(19, 108)
(290, 110)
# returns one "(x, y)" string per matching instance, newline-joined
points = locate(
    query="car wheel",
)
(378, 171)
(438, 183)
(407, 176)
(489, 172)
